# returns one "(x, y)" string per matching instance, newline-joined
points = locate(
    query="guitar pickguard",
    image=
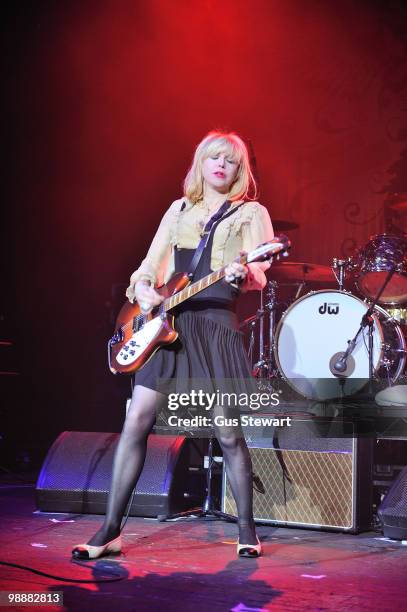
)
(139, 341)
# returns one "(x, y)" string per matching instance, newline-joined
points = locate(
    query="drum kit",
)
(333, 342)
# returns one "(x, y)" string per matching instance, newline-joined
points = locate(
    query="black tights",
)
(129, 461)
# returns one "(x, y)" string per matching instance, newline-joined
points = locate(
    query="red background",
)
(105, 102)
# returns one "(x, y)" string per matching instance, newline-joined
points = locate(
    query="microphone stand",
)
(367, 320)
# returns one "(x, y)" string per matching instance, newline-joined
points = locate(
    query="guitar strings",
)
(167, 301)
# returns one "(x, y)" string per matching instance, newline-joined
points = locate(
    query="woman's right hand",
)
(146, 296)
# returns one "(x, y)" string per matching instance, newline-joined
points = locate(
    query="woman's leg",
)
(239, 472)
(128, 460)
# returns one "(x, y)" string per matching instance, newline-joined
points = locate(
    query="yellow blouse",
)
(244, 230)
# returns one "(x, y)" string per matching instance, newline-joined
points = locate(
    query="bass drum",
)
(314, 332)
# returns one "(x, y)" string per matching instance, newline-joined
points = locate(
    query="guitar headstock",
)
(273, 249)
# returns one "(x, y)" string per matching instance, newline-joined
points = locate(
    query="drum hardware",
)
(310, 332)
(263, 368)
(299, 348)
(389, 356)
(394, 351)
(398, 314)
(271, 308)
(248, 322)
(382, 254)
(260, 368)
(338, 363)
(340, 265)
(252, 325)
(300, 287)
(299, 345)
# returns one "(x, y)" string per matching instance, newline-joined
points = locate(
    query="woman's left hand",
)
(235, 273)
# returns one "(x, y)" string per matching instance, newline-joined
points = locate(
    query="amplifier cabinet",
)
(76, 474)
(304, 477)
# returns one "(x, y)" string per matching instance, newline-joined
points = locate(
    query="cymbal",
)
(280, 225)
(306, 272)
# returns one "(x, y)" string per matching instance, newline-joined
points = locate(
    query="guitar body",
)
(137, 337)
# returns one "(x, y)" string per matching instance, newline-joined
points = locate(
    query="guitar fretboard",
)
(264, 251)
(196, 287)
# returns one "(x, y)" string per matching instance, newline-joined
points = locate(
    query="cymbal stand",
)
(340, 265)
(252, 326)
(271, 307)
(260, 368)
(300, 287)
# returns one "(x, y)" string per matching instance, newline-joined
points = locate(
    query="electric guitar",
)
(138, 336)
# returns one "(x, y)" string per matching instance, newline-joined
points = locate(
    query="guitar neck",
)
(198, 286)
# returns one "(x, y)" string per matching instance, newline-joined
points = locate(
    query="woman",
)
(209, 344)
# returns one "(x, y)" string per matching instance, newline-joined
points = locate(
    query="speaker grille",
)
(313, 488)
(76, 474)
(79, 462)
(393, 510)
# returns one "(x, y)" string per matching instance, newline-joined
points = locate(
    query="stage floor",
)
(192, 564)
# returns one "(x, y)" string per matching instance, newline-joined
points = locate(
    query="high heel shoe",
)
(86, 551)
(249, 550)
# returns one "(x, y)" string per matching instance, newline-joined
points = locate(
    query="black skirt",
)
(209, 353)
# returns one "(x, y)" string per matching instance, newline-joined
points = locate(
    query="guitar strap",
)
(208, 229)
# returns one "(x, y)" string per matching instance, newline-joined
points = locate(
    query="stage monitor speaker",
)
(309, 476)
(393, 509)
(75, 476)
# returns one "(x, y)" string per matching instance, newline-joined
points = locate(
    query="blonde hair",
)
(243, 187)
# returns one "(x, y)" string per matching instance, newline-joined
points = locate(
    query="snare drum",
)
(314, 331)
(373, 263)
